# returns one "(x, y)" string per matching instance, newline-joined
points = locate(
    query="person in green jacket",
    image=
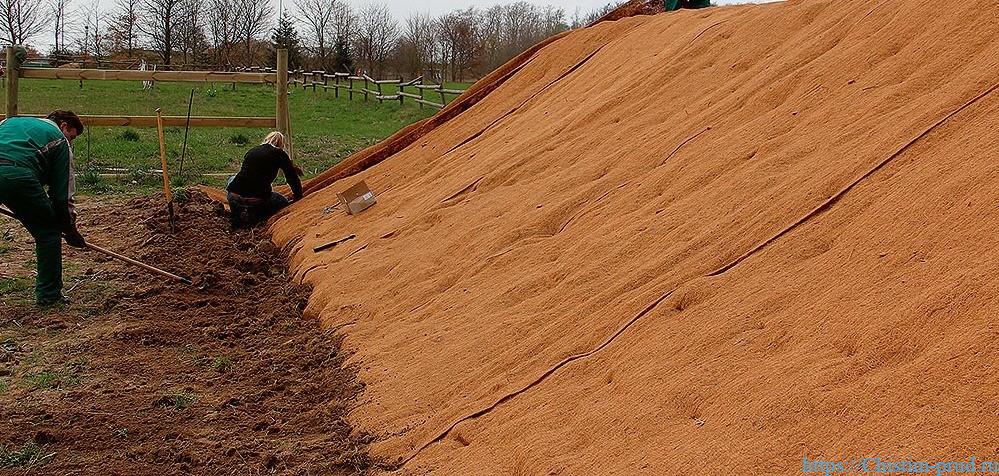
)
(678, 4)
(37, 153)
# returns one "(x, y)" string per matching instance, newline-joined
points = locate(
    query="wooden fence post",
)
(336, 85)
(350, 89)
(365, 88)
(12, 70)
(281, 112)
(421, 94)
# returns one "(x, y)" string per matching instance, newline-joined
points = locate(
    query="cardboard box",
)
(357, 198)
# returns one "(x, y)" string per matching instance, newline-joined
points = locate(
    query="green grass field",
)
(118, 159)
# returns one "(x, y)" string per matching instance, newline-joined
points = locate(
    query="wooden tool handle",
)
(138, 263)
(126, 259)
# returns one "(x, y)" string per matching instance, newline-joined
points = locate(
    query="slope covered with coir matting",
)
(702, 242)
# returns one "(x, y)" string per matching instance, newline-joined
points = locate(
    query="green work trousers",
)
(23, 194)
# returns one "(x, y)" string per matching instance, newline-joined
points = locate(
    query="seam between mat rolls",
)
(835, 197)
(677, 149)
(561, 76)
(525, 101)
(536, 381)
(513, 110)
(822, 207)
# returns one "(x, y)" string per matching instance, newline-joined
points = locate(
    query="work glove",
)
(68, 225)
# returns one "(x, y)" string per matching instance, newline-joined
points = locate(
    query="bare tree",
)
(223, 27)
(254, 20)
(344, 23)
(461, 44)
(21, 20)
(415, 49)
(160, 19)
(376, 34)
(580, 21)
(457, 37)
(506, 30)
(553, 21)
(123, 27)
(91, 31)
(60, 17)
(492, 37)
(319, 17)
(191, 32)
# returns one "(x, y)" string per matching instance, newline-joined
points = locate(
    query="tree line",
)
(328, 35)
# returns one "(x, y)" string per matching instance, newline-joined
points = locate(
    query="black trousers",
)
(249, 212)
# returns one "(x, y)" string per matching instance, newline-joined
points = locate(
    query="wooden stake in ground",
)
(11, 73)
(187, 127)
(166, 175)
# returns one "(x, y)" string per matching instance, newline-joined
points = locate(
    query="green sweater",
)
(39, 145)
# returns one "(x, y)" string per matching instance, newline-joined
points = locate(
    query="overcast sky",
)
(403, 8)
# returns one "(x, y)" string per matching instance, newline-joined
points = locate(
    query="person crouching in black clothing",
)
(251, 200)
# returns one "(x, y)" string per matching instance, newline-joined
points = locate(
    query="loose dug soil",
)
(702, 242)
(141, 376)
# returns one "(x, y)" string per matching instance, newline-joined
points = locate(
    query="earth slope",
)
(702, 242)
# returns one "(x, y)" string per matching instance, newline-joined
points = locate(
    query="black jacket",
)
(260, 166)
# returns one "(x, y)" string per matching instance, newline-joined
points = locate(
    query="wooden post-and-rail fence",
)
(281, 120)
(423, 94)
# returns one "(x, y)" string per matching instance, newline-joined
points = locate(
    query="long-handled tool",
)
(117, 256)
(166, 175)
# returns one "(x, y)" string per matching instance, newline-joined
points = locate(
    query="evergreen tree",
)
(285, 36)
(343, 56)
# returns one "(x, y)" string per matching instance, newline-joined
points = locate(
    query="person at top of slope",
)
(672, 5)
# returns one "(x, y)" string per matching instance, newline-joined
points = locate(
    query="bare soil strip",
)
(141, 376)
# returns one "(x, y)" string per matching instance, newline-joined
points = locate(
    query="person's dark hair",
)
(69, 117)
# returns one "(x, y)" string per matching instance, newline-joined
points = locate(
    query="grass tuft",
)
(177, 401)
(222, 364)
(28, 455)
(14, 285)
(129, 135)
(17, 289)
(47, 380)
(238, 139)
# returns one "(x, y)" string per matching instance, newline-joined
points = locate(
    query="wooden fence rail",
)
(278, 78)
(169, 121)
(135, 75)
(373, 87)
